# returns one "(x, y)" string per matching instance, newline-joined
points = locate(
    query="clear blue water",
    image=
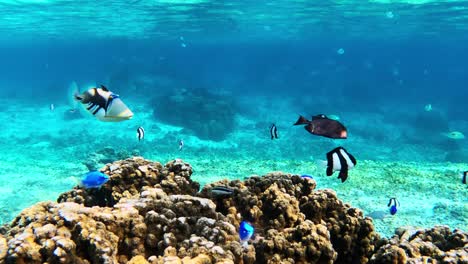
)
(376, 65)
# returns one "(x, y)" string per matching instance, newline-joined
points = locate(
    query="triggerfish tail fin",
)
(301, 121)
(74, 94)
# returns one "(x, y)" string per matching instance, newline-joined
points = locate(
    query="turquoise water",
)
(217, 74)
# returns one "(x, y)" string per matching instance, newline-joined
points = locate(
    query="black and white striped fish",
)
(104, 104)
(181, 144)
(340, 160)
(273, 131)
(140, 133)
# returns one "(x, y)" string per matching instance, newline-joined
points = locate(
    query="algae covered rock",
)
(435, 245)
(149, 213)
(128, 177)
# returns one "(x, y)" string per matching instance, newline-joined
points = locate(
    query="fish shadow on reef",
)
(206, 114)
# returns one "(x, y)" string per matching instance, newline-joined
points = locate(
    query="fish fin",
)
(74, 93)
(104, 88)
(301, 121)
(310, 128)
(343, 175)
(321, 164)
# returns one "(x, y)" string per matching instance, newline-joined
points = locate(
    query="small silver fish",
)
(222, 191)
(52, 107)
(181, 144)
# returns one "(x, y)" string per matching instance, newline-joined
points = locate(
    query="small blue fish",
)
(307, 177)
(94, 179)
(246, 231)
(393, 203)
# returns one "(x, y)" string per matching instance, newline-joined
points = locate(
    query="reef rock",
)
(128, 177)
(149, 213)
(436, 245)
(206, 114)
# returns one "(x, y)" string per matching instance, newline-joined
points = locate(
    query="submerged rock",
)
(149, 213)
(204, 113)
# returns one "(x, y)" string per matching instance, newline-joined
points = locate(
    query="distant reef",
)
(205, 114)
(150, 213)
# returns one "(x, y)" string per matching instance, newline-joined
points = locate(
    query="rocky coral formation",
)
(149, 213)
(192, 108)
(128, 177)
(436, 245)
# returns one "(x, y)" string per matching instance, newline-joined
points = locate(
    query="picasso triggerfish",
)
(104, 105)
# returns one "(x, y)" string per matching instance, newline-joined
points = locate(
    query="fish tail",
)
(301, 121)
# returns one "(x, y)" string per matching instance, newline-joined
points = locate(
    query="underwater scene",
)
(205, 131)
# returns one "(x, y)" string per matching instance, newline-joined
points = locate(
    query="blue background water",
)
(273, 60)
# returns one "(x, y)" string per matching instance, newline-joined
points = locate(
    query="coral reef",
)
(207, 115)
(436, 245)
(150, 213)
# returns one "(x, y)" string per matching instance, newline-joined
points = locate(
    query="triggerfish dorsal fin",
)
(320, 116)
(104, 88)
(301, 121)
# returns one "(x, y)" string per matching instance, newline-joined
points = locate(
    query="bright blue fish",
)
(393, 203)
(306, 176)
(246, 231)
(94, 179)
